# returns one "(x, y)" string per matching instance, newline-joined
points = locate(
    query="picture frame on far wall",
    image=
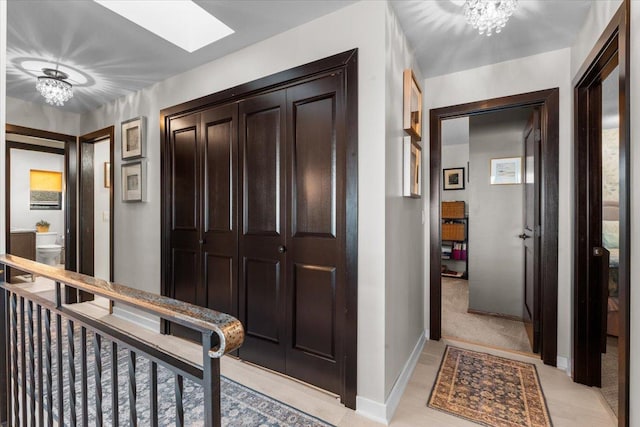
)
(505, 171)
(412, 114)
(134, 181)
(453, 179)
(412, 169)
(133, 138)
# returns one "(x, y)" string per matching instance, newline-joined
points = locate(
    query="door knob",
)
(282, 249)
(202, 241)
(523, 236)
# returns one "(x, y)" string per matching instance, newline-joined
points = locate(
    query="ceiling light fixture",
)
(53, 87)
(488, 16)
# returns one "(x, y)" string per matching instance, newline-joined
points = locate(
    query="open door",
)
(531, 230)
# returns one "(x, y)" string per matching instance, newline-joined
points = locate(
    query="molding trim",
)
(563, 364)
(426, 334)
(138, 317)
(383, 413)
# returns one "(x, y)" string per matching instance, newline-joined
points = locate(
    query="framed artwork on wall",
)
(412, 115)
(133, 138)
(506, 171)
(412, 169)
(134, 185)
(453, 179)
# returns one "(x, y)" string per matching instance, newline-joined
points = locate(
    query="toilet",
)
(47, 251)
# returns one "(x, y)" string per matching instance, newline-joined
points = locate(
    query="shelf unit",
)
(455, 229)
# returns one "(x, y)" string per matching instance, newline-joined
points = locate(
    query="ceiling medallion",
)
(53, 87)
(489, 16)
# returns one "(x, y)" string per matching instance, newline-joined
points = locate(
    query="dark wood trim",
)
(70, 179)
(346, 61)
(611, 49)
(498, 315)
(548, 100)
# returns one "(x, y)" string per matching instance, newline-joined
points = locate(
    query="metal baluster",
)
(153, 394)
(211, 381)
(23, 365)
(5, 358)
(60, 378)
(97, 352)
(32, 366)
(133, 416)
(83, 356)
(49, 366)
(14, 359)
(114, 384)
(179, 405)
(40, 384)
(71, 357)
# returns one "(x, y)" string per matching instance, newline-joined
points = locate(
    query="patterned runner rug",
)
(489, 390)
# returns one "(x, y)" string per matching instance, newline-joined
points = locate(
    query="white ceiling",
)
(445, 43)
(107, 56)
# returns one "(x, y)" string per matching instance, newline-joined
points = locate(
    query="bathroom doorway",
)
(40, 198)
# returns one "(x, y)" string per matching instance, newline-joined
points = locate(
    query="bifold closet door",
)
(262, 243)
(316, 192)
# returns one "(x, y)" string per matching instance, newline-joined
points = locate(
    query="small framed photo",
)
(412, 116)
(453, 179)
(133, 138)
(134, 177)
(107, 174)
(506, 170)
(412, 169)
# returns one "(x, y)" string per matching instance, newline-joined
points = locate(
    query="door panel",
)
(185, 208)
(219, 239)
(262, 245)
(531, 234)
(315, 262)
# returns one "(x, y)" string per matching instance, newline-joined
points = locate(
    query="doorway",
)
(96, 206)
(48, 165)
(486, 247)
(602, 218)
(547, 102)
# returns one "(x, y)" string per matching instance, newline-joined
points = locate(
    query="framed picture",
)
(134, 177)
(507, 170)
(107, 174)
(412, 169)
(133, 138)
(453, 179)
(412, 116)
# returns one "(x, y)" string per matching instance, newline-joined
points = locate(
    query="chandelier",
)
(488, 16)
(53, 87)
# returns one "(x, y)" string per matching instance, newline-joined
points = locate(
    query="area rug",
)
(241, 406)
(489, 390)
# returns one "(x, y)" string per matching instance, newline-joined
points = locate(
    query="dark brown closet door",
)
(315, 235)
(185, 210)
(219, 235)
(262, 234)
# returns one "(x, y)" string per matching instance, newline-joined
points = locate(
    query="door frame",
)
(613, 41)
(347, 62)
(548, 101)
(85, 191)
(70, 176)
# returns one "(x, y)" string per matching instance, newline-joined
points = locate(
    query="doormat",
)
(489, 390)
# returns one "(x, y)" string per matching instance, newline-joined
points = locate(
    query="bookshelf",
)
(455, 249)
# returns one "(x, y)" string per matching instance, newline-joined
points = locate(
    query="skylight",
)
(181, 22)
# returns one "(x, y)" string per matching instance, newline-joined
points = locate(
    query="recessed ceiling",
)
(107, 56)
(443, 42)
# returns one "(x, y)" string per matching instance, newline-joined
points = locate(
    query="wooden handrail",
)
(228, 329)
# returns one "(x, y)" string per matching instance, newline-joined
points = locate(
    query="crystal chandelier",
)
(53, 87)
(488, 16)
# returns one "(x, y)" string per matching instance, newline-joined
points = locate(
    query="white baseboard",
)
(562, 363)
(383, 412)
(426, 334)
(136, 316)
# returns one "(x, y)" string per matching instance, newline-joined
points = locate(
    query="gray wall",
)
(455, 154)
(495, 216)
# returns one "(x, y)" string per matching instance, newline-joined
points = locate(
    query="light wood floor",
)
(569, 404)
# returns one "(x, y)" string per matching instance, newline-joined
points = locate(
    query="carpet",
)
(241, 405)
(489, 390)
